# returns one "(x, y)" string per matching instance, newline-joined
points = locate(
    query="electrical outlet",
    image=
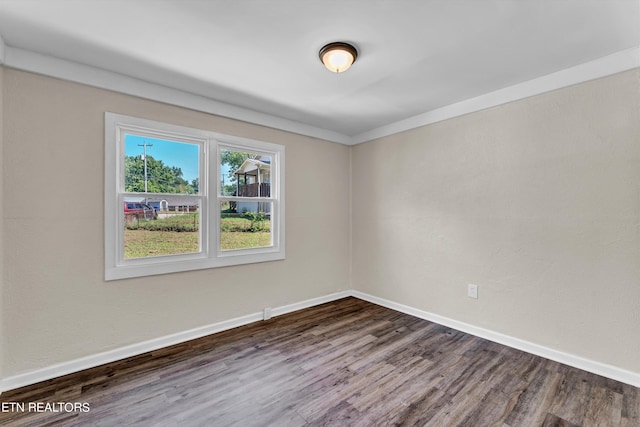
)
(266, 313)
(472, 291)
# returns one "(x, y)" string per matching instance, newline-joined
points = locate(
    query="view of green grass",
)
(179, 235)
(144, 243)
(238, 240)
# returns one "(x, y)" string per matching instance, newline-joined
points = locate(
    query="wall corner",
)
(350, 278)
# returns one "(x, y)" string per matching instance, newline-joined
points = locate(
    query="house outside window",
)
(253, 180)
(179, 199)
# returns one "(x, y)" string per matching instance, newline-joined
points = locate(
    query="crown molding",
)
(80, 73)
(601, 67)
(67, 70)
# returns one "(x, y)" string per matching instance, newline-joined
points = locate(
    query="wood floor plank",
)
(345, 363)
(535, 400)
(555, 421)
(604, 408)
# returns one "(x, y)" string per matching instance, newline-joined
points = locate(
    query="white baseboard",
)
(310, 303)
(609, 371)
(92, 361)
(114, 355)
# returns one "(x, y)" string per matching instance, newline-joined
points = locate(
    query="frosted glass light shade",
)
(338, 56)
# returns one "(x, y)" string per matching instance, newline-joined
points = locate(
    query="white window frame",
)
(210, 255)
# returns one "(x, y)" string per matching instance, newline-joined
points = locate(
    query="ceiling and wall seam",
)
(80, 73)
(50, 66)
(602, 67)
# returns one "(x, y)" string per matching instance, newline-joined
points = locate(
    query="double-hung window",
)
(179, 198)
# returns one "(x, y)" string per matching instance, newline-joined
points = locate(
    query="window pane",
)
(157, 226)
(160, 166)
(245, 224)
(245, 174)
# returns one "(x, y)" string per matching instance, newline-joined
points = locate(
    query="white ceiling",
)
(416, 56)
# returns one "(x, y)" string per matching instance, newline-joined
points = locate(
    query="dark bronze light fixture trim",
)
(338, 56)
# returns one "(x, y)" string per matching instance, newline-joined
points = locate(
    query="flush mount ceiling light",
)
(338, 56)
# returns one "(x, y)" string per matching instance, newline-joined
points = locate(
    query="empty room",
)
(320, 213)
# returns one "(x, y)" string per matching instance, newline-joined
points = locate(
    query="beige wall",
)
(56, 305)
(537, 202)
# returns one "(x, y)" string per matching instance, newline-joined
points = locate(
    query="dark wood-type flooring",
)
(345, 363)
